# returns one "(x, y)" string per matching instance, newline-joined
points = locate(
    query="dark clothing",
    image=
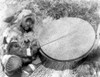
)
(17, 73)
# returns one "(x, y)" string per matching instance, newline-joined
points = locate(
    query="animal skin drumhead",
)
(66, 38)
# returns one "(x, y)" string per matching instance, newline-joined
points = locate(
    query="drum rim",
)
(76, 59)
(73, 59)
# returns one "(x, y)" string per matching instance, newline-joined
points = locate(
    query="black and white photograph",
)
(49, 38)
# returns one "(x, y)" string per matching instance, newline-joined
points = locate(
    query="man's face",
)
(57, 10)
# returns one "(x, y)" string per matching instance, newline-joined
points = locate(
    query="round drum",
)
(66, 38)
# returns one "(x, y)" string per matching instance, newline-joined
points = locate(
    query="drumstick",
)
(58, 39)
